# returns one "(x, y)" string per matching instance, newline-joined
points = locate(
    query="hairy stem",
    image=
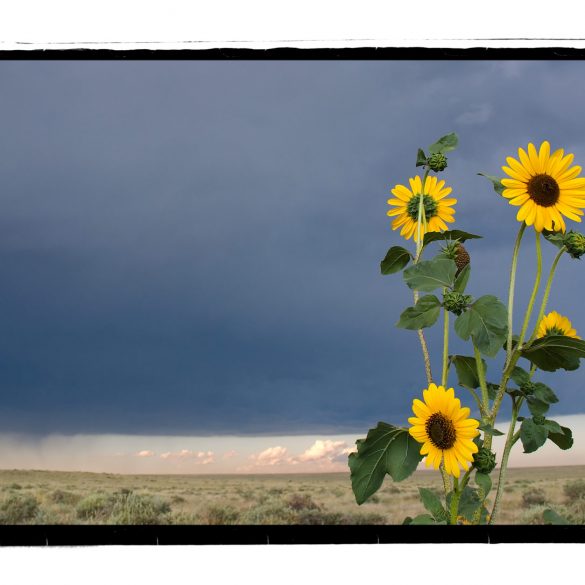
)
(445, 372)
(482, 382)
(547, 288)
(511, 291)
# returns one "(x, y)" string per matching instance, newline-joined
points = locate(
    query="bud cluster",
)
(456, 302)
(575, 244)
(437, 162)
(484, 460)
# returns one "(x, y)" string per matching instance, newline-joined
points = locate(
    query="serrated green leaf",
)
(424, 314)
(562, 440)
(520, 376)
(395, 260)
(489, 429)
(462, 279)
(536, 407)
(450, 235)
(424, 519)
(553, 427)
(496, 183)
(403, 456)
(556, 238)
(466, 368)
(553, 352)
(484, 481)
(430, 275)
(369, 465)
(421, 158)
(551, 517)
(445, 144)
(486, 322)
(544, 393)
(433, 504)
(533, 436)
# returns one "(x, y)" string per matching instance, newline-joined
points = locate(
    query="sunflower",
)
(444, 428)
(545, 187)
(555, 324)
(436, 209)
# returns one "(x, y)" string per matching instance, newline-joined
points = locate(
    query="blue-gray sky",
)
(194, 247)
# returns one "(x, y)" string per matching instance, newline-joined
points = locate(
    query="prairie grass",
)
(50, 497)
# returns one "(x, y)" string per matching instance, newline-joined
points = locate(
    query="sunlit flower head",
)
(444, 428)
(555, 324)
(545, 186)
(436, 208)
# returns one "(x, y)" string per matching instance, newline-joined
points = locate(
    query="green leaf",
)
(562, 440)
(369, 465)
(489, 429)
(544, 393)
(556, 238)
(484, 481)
(421, 158)
(433, 504)
(536, 407)
(462, 279)
(552, 352)
(403, 456)
(423, 519)
(424, 314)
(395, 260)
(466, 368)
(520, 376)
(533, 436)
(430, 275)
(553, 427)
(492, 390)
(551, 517)
(486, 322)
(451, 235)
(445, 144)
(468, 504)
(386, 449)
(497, 184)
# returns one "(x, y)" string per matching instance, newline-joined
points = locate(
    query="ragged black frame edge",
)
(87, 535)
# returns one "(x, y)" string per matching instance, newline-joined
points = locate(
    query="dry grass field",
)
(50, 497)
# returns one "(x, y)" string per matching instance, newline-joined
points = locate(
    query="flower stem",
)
(446, 481)
(445, 373)
(511, 438)
(511, 291)
(482, 383)
(515, 355)
(547, 288)
(419, 247)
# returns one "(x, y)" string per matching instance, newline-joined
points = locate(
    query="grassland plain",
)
(54, 497)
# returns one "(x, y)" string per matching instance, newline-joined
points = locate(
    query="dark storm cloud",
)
(193, 247)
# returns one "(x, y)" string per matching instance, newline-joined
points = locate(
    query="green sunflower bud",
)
(437, 162)
(484, 460)
(575, 244)
(455, 302)
(528, 388)
(538, 419)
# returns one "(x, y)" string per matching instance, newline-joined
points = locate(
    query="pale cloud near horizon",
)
(230, 454)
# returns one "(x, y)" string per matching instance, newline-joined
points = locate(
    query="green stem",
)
(445, 373)
(419, 246)
(547, 288)
(511, 291)
(478, 402)
(446, 482)
(457, 491)
(515, 356)
(510, 440)
(482, 382)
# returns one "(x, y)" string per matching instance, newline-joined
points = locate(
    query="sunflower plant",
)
(454, 433)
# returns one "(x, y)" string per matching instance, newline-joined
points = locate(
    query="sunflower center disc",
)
(441, 431)
(543, 190)
(429, 206)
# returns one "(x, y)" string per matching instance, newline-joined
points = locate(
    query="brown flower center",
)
(440, 431)
(543, 190)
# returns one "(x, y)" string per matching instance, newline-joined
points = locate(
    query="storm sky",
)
(193, 247)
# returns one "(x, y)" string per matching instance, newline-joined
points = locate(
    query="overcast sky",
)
(193, 248)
